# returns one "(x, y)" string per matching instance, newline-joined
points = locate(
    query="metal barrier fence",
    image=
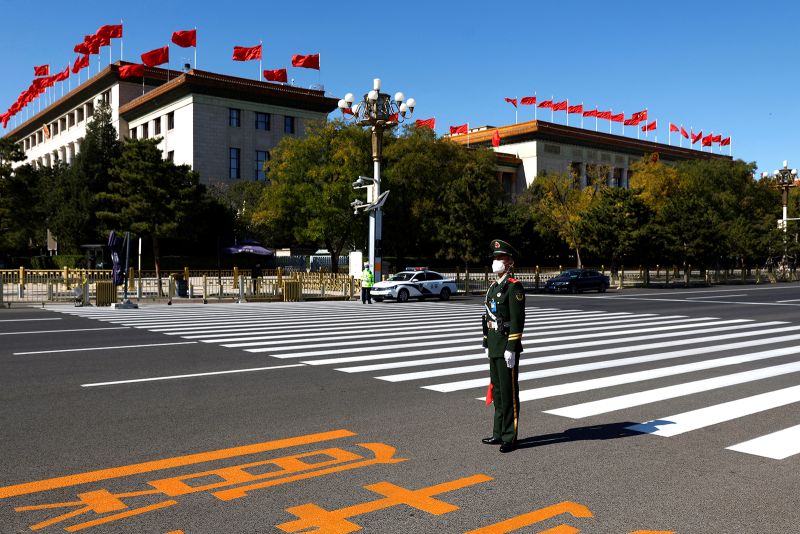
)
(83, 287)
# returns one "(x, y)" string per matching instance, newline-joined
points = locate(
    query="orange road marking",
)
(167, 463)
(335, 521)
(174, 532)
(524, 520)
(123, 515)
(383, 455)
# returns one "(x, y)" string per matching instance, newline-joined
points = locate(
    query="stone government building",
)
(532, 148)
(222, 126)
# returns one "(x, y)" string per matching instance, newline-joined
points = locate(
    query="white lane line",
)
(719, 413)
(777, 445)
(790, 300)
(194, 375)
(703, 301)
(282, 338)
(612, 404)
(467, 345)
(608, 364)
(412, 363)
(347, 344)
(715, 297)
(28, 320)
(568, 333)
(64, 331)
(104, 348)
(707, 291)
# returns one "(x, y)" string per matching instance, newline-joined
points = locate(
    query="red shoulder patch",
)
(512, 280)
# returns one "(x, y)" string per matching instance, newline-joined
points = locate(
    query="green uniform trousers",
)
(505, 390)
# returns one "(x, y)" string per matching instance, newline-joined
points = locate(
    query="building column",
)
(583, 175)
(78, 147)
(625, 182)
(70, 151)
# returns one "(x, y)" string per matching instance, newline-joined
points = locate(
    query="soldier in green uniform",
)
(503, 322)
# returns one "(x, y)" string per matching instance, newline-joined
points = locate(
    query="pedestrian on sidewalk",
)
(367, 281)
(503, 322)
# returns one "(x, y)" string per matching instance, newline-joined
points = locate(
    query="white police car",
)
(414, 282)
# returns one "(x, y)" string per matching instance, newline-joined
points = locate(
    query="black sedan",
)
(577, 280)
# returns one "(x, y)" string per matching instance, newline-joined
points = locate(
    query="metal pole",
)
(375, 216)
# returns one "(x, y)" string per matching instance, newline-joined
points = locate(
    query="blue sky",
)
(725, 67)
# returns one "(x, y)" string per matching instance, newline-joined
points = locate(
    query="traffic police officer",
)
(503, 322)
(367, 281)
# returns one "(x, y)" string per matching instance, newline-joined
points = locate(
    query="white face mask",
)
(498, 267)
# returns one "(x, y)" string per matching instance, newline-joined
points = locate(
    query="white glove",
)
(486, 351)
(511, 359)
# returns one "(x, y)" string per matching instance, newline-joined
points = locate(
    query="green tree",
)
(21, 214)
(150, 196)
(241, 199)
(310, 188)
(73, 193)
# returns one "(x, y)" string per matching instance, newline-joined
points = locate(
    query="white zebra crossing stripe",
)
(674, 425)
(588, 409)
(777, 445)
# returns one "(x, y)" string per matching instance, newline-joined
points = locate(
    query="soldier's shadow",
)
(594, 432)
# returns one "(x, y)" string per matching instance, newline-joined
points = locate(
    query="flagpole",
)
(535, 105)
(552, 99)
(609, 121)
(516, 110)
(623, 124)
(121, 40)
(581, 113)
(669, 135)
(195, 47)
(680, 138)
(568, 112)
(260, 55)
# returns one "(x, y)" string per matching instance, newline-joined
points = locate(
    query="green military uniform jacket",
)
(504, 317)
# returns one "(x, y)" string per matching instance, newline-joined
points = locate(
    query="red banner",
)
(425, 123)
(673, 128)
(575, 109)
(650, 127)
(110, 31)
(131, 71)
(496, 138)
(619, 117)
(306, 62)
(185, 38)
(512, 101)
(545, 104)
(725, 142)
(560, 106)
(277, 75)
(696, 137)
(464, 128)
(241, 53)
(590, 113)
(80, 63)
(528, 100)
(684, 133)
(603, 115)
(41, 70)
(156, 57)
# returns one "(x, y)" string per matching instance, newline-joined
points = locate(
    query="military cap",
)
(500, 247)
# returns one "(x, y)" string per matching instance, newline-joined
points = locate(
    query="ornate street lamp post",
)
(784, 179)
(378, 111)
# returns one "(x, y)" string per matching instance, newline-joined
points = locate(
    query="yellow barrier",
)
(106, 293)
(291, 291)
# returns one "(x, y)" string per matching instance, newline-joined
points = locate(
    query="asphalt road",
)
(345, 416)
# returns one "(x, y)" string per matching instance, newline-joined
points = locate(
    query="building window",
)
(63, 123)
(145, 131)
(262, 121)
(234, 117)
(552, 149)
(89, 110)
(262, 156)
(106, 98)
(170, 120)
(80, 115)
(288, 125)
(70, 121)
(133, 133)
(54, 128)
(235, 165)
(157, 126)
(171, 155)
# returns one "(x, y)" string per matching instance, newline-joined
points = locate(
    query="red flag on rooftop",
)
(673, 128)
(725, 142)
(185, 38)
(590, 113)
(603, 115)
(528, 100)
(716, 138)
(650, 127)
(131, 71)
(41, 70)
(277, 75)
(706, 141)
(464, 128)
(619, 117)
(560, 106)
(684, 133)
(80, 63)
(93, 43)
(63, 75)
(696, 137)
(640, 115)
(496, 138)
(81, 48)
(102, 40)
(306, 62)
(512, 101)
(110, 31)
(156, 57)
(545, 104)
(575, 109)
(631, 122)
(425, 123)
(241, 53)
